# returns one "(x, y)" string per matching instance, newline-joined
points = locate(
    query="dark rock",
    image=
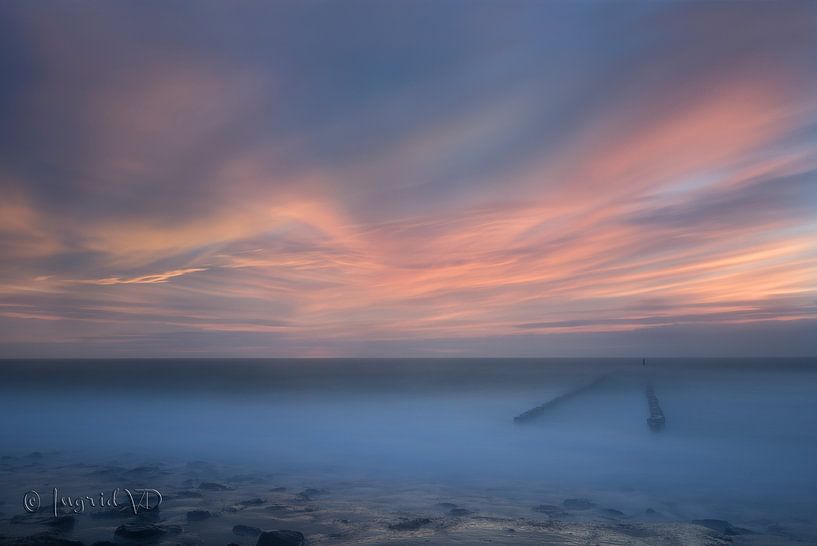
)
(278, 489)
(446, 505)
(212, 486)
(185, 494)
(276, 508)
(654, 515)
(458, 512)
(410, 524)
(246, 531)
(142, 531)
(198, 515)
(549, 509)
(719, 525)
(282, 537)
(612, 513)
(253, 502)
(578, 504)
(104, 543)
(311, 492)
(722, 526)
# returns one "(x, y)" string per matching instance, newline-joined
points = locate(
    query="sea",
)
(738, 440)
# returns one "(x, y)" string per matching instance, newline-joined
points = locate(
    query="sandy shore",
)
(207, 503)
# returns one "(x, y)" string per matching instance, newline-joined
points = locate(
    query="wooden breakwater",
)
(656, 420)
(540, 410)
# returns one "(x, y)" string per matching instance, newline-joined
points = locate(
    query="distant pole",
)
(644, 362)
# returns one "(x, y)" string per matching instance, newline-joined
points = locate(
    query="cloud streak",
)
(143, 279)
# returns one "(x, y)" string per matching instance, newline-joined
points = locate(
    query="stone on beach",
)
(549, 509)
(212, 486)
(246, 531)
(281, 537)
(184, 494)
(460, 512)
(310, 492)
(722, 526)
(146, 471)
(612, 513)
(141, 531)
(253, 502)
(410, 524)
(198, 515)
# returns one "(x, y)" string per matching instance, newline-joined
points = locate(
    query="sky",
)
(408, 178)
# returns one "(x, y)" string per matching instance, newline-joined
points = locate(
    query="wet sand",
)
(210, 503)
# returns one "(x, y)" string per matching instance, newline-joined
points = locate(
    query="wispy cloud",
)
(513, 179)
(142, 279)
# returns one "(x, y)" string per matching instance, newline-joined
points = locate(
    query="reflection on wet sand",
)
(209, 503)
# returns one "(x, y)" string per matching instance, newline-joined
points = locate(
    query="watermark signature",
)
(135, 499)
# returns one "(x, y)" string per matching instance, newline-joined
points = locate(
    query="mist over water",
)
(740, 435)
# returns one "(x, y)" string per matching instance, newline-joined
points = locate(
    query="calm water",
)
(740, 436)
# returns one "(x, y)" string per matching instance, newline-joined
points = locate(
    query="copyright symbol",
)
(31, 501)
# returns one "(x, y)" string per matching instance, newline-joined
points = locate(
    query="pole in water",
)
(643, 361)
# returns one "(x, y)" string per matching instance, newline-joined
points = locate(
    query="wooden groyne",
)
(656, 420)
(540, 410)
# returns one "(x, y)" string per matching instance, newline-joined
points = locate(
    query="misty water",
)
(740, 438)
